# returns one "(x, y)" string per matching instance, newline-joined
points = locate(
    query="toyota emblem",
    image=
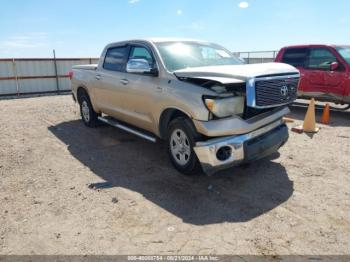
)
(284, 90)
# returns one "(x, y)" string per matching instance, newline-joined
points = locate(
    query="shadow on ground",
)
(122, 160)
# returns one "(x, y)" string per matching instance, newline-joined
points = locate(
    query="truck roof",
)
(172, 39)
(315, 45)
(161, 40)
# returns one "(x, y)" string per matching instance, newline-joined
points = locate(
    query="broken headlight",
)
(224, 107)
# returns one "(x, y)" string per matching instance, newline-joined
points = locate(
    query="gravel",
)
(295, 202)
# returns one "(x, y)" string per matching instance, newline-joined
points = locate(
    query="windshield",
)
(345, 53)
(180, 55)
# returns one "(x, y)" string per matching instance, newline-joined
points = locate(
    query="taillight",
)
(70, 74)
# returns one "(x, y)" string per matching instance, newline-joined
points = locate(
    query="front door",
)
(336, 80)
(318, 67)
(142, 91)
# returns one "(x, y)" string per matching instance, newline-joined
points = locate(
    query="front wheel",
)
(182, 137)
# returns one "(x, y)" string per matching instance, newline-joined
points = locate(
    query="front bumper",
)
(243, 148)
(236, 125)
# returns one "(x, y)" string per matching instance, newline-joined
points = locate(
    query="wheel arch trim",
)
(166, 116)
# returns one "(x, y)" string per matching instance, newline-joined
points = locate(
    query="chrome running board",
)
(116, 124)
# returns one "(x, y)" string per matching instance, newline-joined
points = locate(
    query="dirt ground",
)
(67, 189)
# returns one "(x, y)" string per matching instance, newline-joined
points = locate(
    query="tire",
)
(181, 138)
(88, 115)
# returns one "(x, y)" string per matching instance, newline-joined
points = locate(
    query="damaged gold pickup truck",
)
(213, 110)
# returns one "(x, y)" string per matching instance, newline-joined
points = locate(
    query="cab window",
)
(141, 53)
(116, 58)
(320, 59)
(296, 57)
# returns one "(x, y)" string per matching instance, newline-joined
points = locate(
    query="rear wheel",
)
(88, 115)
(181, 139)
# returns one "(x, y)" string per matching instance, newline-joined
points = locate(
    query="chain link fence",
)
(50, 75)
(22, 76)
(257, 57)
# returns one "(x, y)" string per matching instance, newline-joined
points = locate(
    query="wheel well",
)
(81, 91)
(166, 117)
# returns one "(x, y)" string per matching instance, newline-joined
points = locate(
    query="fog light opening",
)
(224, 153)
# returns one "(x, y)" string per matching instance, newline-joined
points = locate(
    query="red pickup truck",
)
(324, 69)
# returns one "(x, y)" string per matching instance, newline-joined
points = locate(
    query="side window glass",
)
(295, 56)
(115, 58)
(320, 59)
(141, 53)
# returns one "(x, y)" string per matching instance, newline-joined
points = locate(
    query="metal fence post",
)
(56, 74)
(14, 67)
(248, 57)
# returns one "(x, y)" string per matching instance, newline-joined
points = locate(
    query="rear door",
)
(110, 81)
(298, 57)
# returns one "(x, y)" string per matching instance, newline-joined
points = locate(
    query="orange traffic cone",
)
(309, 125)
(325, 116)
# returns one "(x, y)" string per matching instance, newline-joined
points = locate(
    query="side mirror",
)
(334, 66)
(140, 66)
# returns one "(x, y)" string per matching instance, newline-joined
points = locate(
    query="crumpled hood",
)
(236, 73)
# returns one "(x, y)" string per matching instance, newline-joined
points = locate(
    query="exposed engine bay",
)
(237, 89)
(226, 90)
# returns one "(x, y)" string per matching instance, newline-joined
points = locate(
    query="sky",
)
(81, 28)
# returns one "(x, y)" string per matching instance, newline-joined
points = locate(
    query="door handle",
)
(124, 81)
(98, 77)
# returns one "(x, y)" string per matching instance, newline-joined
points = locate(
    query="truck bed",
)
(86, 67)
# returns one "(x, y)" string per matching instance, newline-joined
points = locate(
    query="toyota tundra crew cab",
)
(212, 110)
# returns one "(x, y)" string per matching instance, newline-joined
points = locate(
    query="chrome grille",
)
(275, 91)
